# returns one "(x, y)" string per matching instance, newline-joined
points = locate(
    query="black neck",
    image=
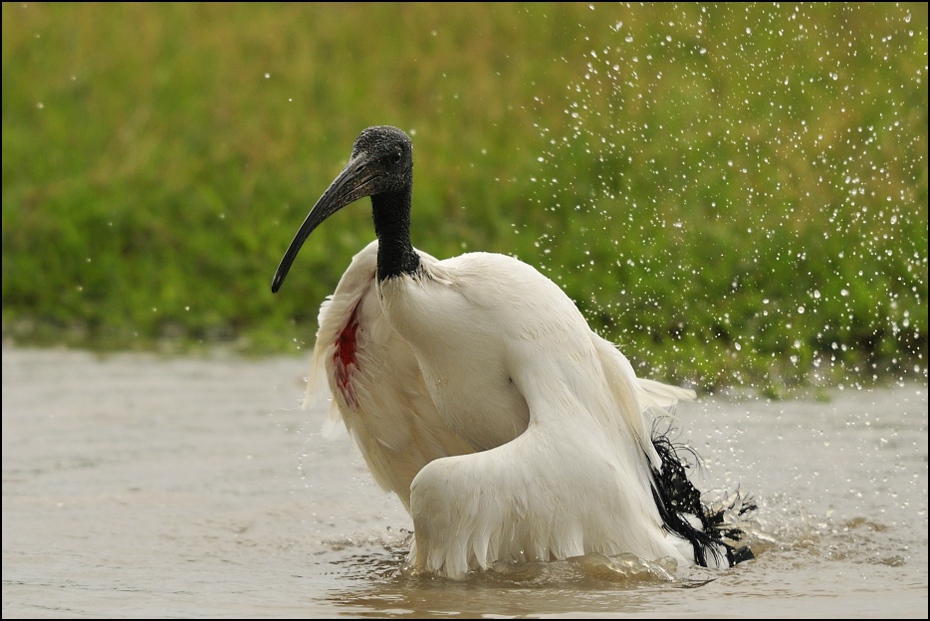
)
(391, 213)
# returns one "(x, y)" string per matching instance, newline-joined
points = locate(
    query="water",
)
(136, 486)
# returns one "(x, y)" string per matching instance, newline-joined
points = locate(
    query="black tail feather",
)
(676, 497)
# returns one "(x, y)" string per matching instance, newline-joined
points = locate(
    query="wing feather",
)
(577, 481)
(380, 394)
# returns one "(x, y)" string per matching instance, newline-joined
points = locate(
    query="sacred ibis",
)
(479, 395)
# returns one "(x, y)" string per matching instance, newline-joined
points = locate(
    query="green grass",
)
(737, 195)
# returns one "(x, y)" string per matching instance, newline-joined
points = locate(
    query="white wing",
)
(577, 481)
(376, 384)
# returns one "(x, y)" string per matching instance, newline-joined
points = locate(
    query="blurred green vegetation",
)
(735, 194)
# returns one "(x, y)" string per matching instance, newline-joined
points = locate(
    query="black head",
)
(381, 164)
(388, 156)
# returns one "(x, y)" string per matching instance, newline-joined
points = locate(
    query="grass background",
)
(735, 194)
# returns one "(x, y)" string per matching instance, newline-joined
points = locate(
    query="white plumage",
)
(479, 395)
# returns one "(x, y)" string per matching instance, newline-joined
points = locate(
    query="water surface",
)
(140, 486)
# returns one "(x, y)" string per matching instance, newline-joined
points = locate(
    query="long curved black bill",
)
(351, 184)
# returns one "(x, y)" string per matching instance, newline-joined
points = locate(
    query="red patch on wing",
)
(344, 359)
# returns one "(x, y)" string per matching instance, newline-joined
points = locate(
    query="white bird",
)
(478, 394)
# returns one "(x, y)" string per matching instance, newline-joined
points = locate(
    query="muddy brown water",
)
(141, 486)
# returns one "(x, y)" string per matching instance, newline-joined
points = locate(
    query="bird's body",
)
(479, 395)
